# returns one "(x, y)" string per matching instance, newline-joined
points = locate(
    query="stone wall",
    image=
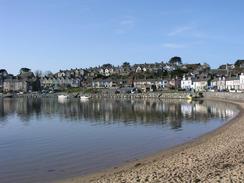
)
(169, 95)
(224, 95)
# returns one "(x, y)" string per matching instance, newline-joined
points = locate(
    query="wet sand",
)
(214, 157)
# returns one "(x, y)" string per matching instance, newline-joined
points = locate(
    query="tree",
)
(23, 70)
(206, 67)
(126, 66)
(38, 73)
(175, 60)
(48, 73)
(238, 63)
(107, 66)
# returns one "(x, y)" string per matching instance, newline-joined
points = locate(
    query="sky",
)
(49, 35)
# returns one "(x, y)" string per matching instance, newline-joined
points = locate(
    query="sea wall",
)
(162, 95)
(224, 95)
(169, 95)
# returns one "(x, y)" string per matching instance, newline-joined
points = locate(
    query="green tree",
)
(107, 65)
(23, 70)
(38, 73)
(239, 62)
(175, 60)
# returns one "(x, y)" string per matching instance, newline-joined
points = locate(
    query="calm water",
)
(44, 140)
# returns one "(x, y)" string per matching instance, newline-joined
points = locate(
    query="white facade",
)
(242, 81)
(221, 84)
(186, 83)
(200, 85)
(233, 84)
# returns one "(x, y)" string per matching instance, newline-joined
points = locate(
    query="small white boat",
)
(84, 97)
(62, 97)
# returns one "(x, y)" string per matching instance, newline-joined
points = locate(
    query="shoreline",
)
(214, 156)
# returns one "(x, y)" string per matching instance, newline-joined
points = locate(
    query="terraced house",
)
(150, 84)
(186, 83)
(16, 85)
(57, 83)
(200, 85)
(23, 82)
(233, 83)
(3, 75)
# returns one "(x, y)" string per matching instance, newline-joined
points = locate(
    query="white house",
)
(242, 81)
(149, 84)
(213, 83)
(200, 85)
(186, 83)
(100, 83)
(140, 69)
(221, 83)
(106, 71)
(233, 83)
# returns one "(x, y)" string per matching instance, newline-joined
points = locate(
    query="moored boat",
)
(62, 97)
(84, 97)
(189, 97)
(8, 95)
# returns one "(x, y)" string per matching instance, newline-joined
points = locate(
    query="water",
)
(45, 139)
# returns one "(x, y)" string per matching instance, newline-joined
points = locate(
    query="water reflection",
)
(128, 112)
(45, 139)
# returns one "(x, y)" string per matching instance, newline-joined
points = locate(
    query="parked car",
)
(239, 91)
(232, 90)
(20, 93)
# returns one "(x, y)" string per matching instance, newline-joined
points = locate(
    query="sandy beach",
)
(214, 157)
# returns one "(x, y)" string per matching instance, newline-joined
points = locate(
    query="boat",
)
(189, 97)
(193, 96)
(84, 97)
(62, 97)
(8, 95)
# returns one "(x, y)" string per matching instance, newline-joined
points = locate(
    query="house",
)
(79, 73)
(46, 82)
(138, 69)
(106, 71)
(76, 82)
(145, 85)
(242, 81)
(213, 84)
(103, 83)
(221, 84)
(186, 83)
(61, 73)
(233, 83)
(57, 83)
(174, 83)
(169, 68)
(3, 75)
(15, 85)
(200, 84)
(1, 83)
(150, 85)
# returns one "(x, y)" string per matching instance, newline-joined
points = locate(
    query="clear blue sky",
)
(59, 34)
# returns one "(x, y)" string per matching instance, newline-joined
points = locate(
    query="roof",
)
(232, 78)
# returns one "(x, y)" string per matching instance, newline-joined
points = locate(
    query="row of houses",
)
(186, 83)
(108, 69)
(17, 84)
(217, 84)
(72, 73)
(143, 85)
(232, 83)
(57, 83)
